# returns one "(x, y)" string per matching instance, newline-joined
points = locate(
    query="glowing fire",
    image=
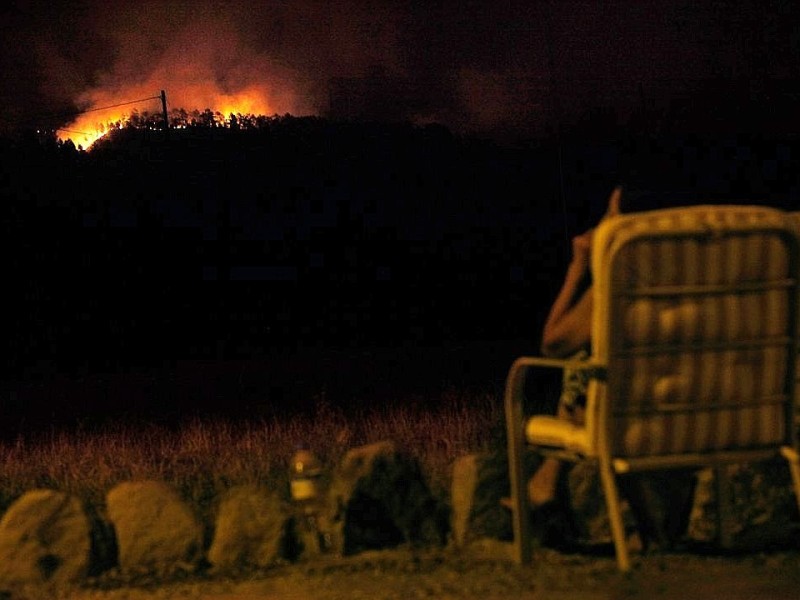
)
(95, 123)
(209, 65)
(205, 59)
(90, 127)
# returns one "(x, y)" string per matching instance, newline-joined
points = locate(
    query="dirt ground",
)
(482, 573)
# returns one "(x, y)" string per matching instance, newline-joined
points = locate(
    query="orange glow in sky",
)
(205, 66)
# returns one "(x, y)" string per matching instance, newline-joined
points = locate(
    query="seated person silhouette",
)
(567, 334)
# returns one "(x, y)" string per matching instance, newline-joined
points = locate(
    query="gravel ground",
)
(481, 573)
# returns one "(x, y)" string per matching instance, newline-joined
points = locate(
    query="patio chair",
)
(694, 342)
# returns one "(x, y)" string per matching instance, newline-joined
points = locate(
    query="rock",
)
(462, 496)
(480, 483)
(379, 499)
(588, 504)
(156, 531)
(702, 520)
(763, 509)
(45, 538)
(478, 486)
(664, 499)
(250, 529)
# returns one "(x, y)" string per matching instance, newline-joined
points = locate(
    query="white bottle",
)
(305, 471)
(304, 487)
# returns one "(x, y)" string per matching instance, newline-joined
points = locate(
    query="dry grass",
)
(203, 458)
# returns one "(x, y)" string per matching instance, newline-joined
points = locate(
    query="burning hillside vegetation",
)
(91, 127)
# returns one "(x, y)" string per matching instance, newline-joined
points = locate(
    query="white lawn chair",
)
(694, 343)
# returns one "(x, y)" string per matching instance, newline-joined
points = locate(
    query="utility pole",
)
(164, 109)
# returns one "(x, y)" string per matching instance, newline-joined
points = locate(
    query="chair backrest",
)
(696, 321)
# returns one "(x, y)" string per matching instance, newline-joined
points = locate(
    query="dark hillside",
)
(224, 244)
(306, 231)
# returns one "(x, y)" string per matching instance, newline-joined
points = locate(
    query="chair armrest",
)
(515, 419)
(516, 375)
(551, 432)
(515, 425)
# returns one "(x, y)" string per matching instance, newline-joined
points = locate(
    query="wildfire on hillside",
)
(222, 110)
(206, 68)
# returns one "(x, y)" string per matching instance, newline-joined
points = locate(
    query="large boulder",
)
(479, 484)
(589, 505)
(763, 509)
(480, 510)
(156, 531)
(250, 529)
(377, 499)
(45, 538)
(662, 497)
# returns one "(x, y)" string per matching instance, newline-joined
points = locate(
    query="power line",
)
(72, 131)
(88, 110)
(114, 106)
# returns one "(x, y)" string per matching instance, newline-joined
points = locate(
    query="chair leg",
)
(614, 514)
(722, 487)
(791, 455)
(520, 516)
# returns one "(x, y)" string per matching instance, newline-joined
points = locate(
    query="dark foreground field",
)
(208, 456)
(485, 574)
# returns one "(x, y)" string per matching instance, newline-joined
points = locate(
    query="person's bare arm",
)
(568, 326)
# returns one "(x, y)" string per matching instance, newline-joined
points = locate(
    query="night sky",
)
(476, 65)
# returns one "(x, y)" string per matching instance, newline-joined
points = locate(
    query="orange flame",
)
(97, 122)
(91, 126)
